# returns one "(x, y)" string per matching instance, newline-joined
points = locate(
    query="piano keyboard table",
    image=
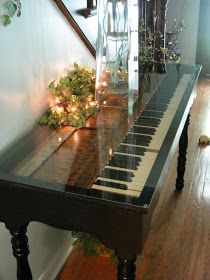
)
(104, 179)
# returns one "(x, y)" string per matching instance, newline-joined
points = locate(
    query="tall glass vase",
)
(117, 53)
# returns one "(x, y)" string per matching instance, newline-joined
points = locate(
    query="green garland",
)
(72, 99)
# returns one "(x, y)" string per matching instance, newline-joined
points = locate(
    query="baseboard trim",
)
(51, 272)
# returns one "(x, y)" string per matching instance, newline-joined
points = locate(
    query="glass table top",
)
(117, 157)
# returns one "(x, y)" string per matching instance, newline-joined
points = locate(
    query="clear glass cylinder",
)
(117, 53)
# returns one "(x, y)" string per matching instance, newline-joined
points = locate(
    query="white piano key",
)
(118, 191)
(127, 154)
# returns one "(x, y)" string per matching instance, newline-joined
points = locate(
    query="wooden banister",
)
(76, 27)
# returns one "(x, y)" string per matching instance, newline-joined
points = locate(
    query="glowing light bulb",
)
(57, 100)
(60, 139)
(92, 103)
(59, 109)
(104, 83)
(73, 109)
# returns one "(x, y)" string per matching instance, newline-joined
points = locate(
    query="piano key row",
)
(143, 141)
(130, 182)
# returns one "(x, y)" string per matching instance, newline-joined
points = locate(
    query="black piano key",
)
(131, 150)
(137, 139)
(153, 114)
(150, 122)
(111, 185)
(153, 120)
(117, 174)
(160, 100)
(142, 137)
(162, 96)
(156, 107)
(143, 130)
(118, 157)
(124, 161)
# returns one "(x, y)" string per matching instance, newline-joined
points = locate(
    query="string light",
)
(104, 83)
(59, 109)
(92, 103)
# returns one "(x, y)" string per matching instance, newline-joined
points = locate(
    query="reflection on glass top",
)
(112, 157)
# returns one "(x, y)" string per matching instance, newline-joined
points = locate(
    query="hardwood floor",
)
(178, 245)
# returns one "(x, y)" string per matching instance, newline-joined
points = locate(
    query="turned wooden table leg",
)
(126, 269)
(181, 163)
(20, 251)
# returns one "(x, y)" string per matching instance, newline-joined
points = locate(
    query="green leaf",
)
(43, 120)
(52, 85)
(64, 82)
(11, 7)
(6, 20)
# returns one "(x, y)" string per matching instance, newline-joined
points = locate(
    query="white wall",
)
(188, 10)
(35, 49)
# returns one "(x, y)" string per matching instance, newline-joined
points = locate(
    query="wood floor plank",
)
(178, 245)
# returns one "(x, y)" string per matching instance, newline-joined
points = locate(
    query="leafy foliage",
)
(170, 52)
(72, 99)
(92, 247)
(6, 20)
(12, 7)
